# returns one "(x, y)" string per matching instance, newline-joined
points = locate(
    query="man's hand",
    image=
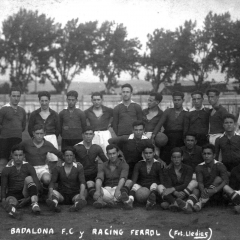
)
(117, 193)
(204, 193)
(162, 163)
(180, 194)
(23, 202)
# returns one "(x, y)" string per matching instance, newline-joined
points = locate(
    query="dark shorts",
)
(70, 142)
(91, 177)
(6, 146)
(17, 195)
(68, 198)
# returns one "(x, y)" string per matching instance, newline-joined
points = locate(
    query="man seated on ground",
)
(228, 145)
(37, 149)
(132, 146)
(110, 179)
(71, 184)
(90, 156)
(192, 153)
(212, 176)
(178, 184)
(19, 184)
(148, 174)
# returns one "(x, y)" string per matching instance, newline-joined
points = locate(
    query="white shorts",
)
(40, 170)
(52, 139)
(213, 137)
(108, 193)
(101, 139)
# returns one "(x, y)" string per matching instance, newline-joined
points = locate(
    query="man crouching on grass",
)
(70, 178)
(19, 184)
(110, 179)
(147, 173)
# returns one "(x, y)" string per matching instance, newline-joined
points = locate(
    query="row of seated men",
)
(187, 183)
(70, 122)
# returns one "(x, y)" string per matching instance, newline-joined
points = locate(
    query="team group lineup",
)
(175, 159)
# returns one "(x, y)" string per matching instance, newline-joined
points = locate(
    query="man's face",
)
(197, 101)
(152, 102)
(213, 98)
(18, 157)
(44, 102)
(126, 94)
(97, 101)
(176, 159)
(138, 131)
(68, 157)
(208, 155)
(39, 135)
(177, 102)
(88, 136)
(71, 100)
(112, 155)
(190, 142)
(229, 125)
(148, 154)
(15, 98)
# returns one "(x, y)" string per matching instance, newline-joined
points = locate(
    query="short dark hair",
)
(128, 86)
(88, 128)
(138, 123)
(178, 94)
(15, 89)
(112, 146)
(97, 94)
(209, 146)
(38, 127)
(177, 149)
(69, 148)
(17, 147)
(192, 134)
(158, 96)
(197, 92)
(72, 94)
(215, 90)
(44, 94)
(149, 145)
(230, 116)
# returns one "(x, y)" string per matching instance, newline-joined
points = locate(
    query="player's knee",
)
(90, 184)
(28, 179)
(160, 189)
(196, 192)
(193, 184)
(129, 183)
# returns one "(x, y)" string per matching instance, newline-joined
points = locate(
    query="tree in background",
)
(25, 34)
(115, 54)
(69, 55)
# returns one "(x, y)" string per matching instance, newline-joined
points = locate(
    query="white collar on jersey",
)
(132, 136)
(194, 109)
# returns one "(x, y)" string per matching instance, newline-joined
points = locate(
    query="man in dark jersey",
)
(72, 121)
(173, 122)
(19, 184)
(12, 124)
(90, 156)
(71, 184)
(147, 173)
(49, 118)
(99, 117)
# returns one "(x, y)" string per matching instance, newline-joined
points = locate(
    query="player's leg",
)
(54, 200)
(125, 191)
(30, 190)
(151, 201)
(234, 196)
(105, 199)
(132, 194)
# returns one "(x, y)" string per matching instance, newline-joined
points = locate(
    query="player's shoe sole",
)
(185, 206)
(151, 202)
(124, 197)
(174, 207)
(52, 205)
(78, 205)
(36, 209)
(128, 205)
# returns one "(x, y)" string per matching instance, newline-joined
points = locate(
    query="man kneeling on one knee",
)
(71, 184)
(110, 179)
(179, 183)
(147, 174)
(20, 184)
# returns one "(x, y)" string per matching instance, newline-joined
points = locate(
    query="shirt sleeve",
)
(186, 123)
(24, 122)
(60, 122)
(55, 151)
(223, 172)
(83, 121)
(57, 122)
(115, 119)
(124, 172)
(54, 177)
(217, 147)
(4, 182)
(31, 123)
(199, 174)
(162, 120)
(135, 172)
(101, 155)
(100, 174)
(139, 112)
(81, 176)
